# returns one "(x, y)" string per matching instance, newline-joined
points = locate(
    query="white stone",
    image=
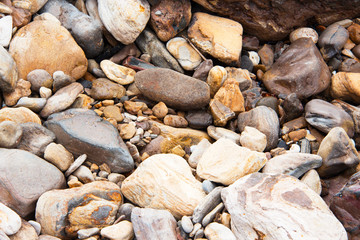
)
(312, 179)
(117, 73)
(36, 226)
(253, 139)
(45, 92)
(88, 232)
(304, 32)
(186, 224)
(10, 221)
(5, 30)
(225, 162)
(254, 57)
(120, 231)
(279, 207)
(217, 231)
(219, 132)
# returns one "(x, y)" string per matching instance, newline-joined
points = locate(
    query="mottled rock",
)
(8, 71)
(10, 222)
(325, 116)
(117, 73)
(113, 112)
(312, 180)
(59, 156)
(214, 164)
(19, 115)
(62, 213)
(259, 203)
(354, 33)
(25, 178)
(22, 89)
(169, 175)
(263, 119)
(304, 32)
(220, 37)
(6, 30)
(83, 131)
(169, 87)
(217, 231)
(39, 78)
(10, 134)
(175, 121)
(242, 76)
(290, 74)
(345, 86)
(103, 88)
(49, 46)
(253, 139)
(120, 231)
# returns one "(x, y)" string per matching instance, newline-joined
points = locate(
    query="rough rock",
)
(230, 95)
(214, 164)
(8, 71)
(62, 213)
(19, 115)
(83, 131)
(345, 86)
(168, 182)
(169, 87)
(10, 134)
(291, 74)
(103, 88)
(22, 89)
(261, 204)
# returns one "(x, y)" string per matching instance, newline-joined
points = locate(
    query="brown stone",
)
(135, 107)
(356, 51)
(230, 95)
(349, 65)
(103, 88)
(127, 131)
(291, 74)
(8, 71)
(354, 33)
(346, 86)
(175, 121)
(160, 110)
(242, 76)
(20, 16)
(168, 17)
(297, 135)
(22, 89)
(220, 113)
(294, 124)
(113, 112)
(266, 54)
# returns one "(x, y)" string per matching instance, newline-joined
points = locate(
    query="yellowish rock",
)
(220, 37)
(22, 89)
(160, 110)
(19, 115)
(120, 231)
(216, 78)
(117, 73)
(346, 86)
(135, 107)
(230, 95)
(164, 181)
(113, 112)
(221, 113)
(127, 131)
(58, 155)
(242, 76)
(225, 162)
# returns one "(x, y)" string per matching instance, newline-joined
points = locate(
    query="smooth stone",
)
(25, 178)
(168, 18)
(345, 86)
(5, 30)
(242, 76)
(86, 31)
(146, 224)
(76, 164)
(324, 116)
(294, 124)
(169, 175)
(186, 55)
(34, 104)
(61, 80)
(45, 92)
(84, 174)
(120, 231)
(199, 119)
(217, 36)
(175, 121)
(304, 32)
(82, 131)
(269, 101)
(338, 153)
(10, 134)
(125, 210)
(26, 232)
(113, 112)
(88, 232)
(263, 119)
(206, 205)
(135, 107)
(230, 95)
(103, 88)
(219, 132)
(356, 51)
(169, 87)
(47, 45)
(253, 139)
(202, 71)
(211, 215)
(8, 71)
(198, 151)
(127, 131)
(117, 73)
(217, 231)
(160, 56)
(292, 106)
(22, 89)
(332, 40)
(312, 180)
(215, 166)
(19, 115)
(354, 33)
(293, 164)
(10, 221)
(160, 110)
(36, 226)
(208, 186)
(59, 156)
(62, 213)
(254, 57)
(260, 203)
(216, 77)
(125, 20)
(187, 224)
(290, 74)
(35, 138)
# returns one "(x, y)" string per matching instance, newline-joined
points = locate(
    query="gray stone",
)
(211, 215)
(199, 150)
(126, 210)
(10, 134)
(84, 132)
(333, 39)
(61, 80)
(208, 186)
(207, 204)
(186, 224)
(36, 226)
(75, 165)
(39, 78)
(8, 71)
(84, 174)
(217, 231)
(34, 104)
(88, 232)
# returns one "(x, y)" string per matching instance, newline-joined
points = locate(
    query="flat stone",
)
(217, 231)
(88, 232)
(82, 131)
(169, 175)
(22, 89)
(338, 153)
(10, 134)
(304, 32)
(344, 86)
(175, 121)
(125, 20)
(120, 231)
(215, 166)
(61, 80)
(59, 156)
(10, 221)
(219, 132)
(324, 116)
(294, 164)
(75, 165)
(103, 88)
(206, 205)
(47, 45)
(6, 30)
(25, 178)
(26, 232)
(62, 213)
(117, 73)
(34, 104)
(220, 37)
(259, 203)
(253, 139)
(19, 115)
(334, 37)
(312, 180)
(212, 214)
(8, 71)
(290, 74)
(169, 87)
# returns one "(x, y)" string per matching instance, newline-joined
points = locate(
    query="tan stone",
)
(120, 231)
(22, 89)
(312, 180)
(216, 77)
(26, 232)
(160, 110)
(304, 32)
(59, 156)
(102, 88)
(220, 37)
(242, 76)
(225, 162)
(113, 112)
(346, 86)
(117, 73)
(175, 121)
(49, 46)
(230, 95)
(135, 107)
(164, 181)
(253, 139)
(19, 115)
(83, 101)
(127, 131)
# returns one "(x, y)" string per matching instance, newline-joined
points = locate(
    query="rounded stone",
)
(113, 112)
(253, 139)
(59, 156)
(117, 73)
(199, 119)
(10, 134)
(304, 32)
(10, 221)
(186, 224)
(160, 110)
(103, 88)
(175, 121)
(19, 115)
(122, 230)
(334, 36)
(356, 51)
(39, 78)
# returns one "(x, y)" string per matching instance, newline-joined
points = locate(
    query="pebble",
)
(120, 231)
(61, 80)
(206, 205)
(202, 71)
(10, 134)
(332, 40)
(10, 222)
(175, 121)
(230, 95)
(220, 113)
(254, 57)
(217, 231)
(88, 232)
(160, 110)
(125, 210)
(219, 132)
(75, 165)
(45, 92)
(199, 150)
(59, 156)
(34, 104)
(19, 115)
(198, 119)
(216, 77)
(127, 131)
(266, 54)
(196, 228)
(242, 76)
(116, 177)
(103, 88)
(186, 224)
(208, 186)
(8, 71)
(211, 215)
(26, 232)
(117, 73)
(304, 32)
(354, 33)
(312, 180)
(253, 139)
(6, 30)
(114, 112)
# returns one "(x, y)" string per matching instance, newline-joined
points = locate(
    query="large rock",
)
(174, 89)
(279, 207)
(263, 119)
(214, 164)
(86, 30)
(291, 74)
(83, 131)
(8, 71)
(126, 19)
(257, 17)
(217, 36)
(24, 177)
(45, 44)
(164, 181)
(62, 213)
(345, 86)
